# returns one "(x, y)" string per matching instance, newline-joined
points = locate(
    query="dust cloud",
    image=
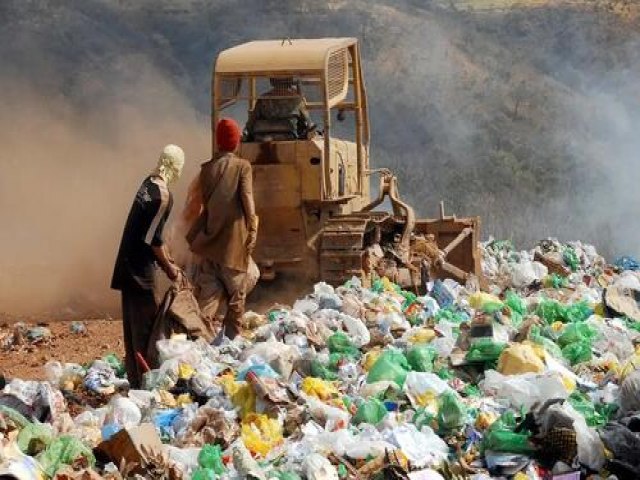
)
(69, 175)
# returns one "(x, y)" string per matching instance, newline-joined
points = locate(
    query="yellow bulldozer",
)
(312, 175)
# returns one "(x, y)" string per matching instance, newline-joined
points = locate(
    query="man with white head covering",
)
(142, 248)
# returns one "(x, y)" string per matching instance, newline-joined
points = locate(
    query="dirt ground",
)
(27, 361)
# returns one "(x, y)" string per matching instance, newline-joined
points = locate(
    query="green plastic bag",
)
(371, 411)
(210, 457)
(577, 352)
(507, 441)
(339, 343)
(588, 410)
(421, 358)
(203, 474)
(444, 373)
(576, 332)
(517, 307)
(570, 257)
(485, 350)
(409, 299)
(500, 436)
(115, 363)
(64, 450)
(34, 438)
(319, 370)
(424, 418)
(550, 346)
(471, 390)
(552, 311)
(391, 366)
(452, 315)
(452, 413)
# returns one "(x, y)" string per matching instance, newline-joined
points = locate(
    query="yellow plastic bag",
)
(370, 358)
(261, 434)
(167, 399)
(185, 371)
(537, 349)
(319, 388)
(480, 299)
(631, 365)
(240, 393)
(424, 335)
(519, 358)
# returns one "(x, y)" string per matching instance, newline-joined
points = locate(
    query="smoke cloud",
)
(69, 177)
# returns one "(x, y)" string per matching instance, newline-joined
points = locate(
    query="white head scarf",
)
(170, 163)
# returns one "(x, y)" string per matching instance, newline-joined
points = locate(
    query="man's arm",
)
(166, 262)
(249, 206)
(194, 204)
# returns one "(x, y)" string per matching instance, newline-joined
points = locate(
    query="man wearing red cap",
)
(225, 232)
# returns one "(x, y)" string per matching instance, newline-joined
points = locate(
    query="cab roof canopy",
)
(285, 56)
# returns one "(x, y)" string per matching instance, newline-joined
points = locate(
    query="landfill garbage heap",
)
(537, 377)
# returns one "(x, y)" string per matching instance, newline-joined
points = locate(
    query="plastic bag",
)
(64, 450)
(519, 358)
(357, 330)
(371, 411)
(485, 301)
(115, 363)
(260, 434)
(339, 343)
(423, 388)
(587, 409)
(210, 457)
(421, 358)
(550, 346)
(576, 332)
(506, 441)
(124, 412)
(34, 438)
(552, 311)
(391, 365)
(452, 413)
(522, 391)
(317, 467)
(485, 350)
(517, 306)
(577, 352)
(570, 257)
(320, 370)
(318, 388)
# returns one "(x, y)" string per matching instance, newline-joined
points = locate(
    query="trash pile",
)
(535, 377)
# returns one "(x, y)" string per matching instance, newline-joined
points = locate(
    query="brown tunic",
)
(221, 232)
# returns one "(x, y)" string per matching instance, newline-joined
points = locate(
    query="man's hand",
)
(173, 272)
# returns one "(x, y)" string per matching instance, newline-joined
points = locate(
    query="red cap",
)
(227, 135)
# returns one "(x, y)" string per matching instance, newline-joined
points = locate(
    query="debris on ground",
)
(537, 377)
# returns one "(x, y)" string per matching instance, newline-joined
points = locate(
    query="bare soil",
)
(27, 360)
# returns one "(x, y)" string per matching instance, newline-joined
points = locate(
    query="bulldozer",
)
(312, 185)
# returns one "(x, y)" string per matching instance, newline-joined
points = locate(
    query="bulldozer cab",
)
(304, 108)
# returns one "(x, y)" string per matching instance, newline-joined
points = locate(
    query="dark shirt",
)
(135, 264)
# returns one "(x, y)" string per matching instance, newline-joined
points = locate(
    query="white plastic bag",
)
(317, 467)
(525, 273)
(124, 412)
(523, 390)
(421, 447)
(419, 383)
(358, 331)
